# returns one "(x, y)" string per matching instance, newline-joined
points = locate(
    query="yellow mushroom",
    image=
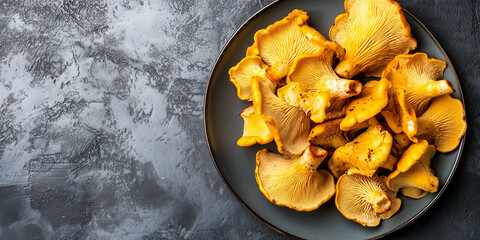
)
(280, 43)
(417, 75)
(289, 125)
(254, 130)
(369, 103)
(365, 200)
(242, 73)
(402, 117)
(294, 182)
(412, 155)
(328, 135)
(414, 177)
(315, 72)
(313, 103)
(365, 154)
(372, 32)
(443, 123)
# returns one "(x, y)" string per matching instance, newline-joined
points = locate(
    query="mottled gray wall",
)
(101, 126)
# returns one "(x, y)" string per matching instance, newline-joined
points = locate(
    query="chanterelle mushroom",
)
(365, 154)
(280, 43)
(289, 125)
(443, 123)
(315, 72)
(402, 115)
(365, 200)
(417, 75)
(294, 182)
(414, 177)
(242, 73)
(313, 103)
(369, 103)
(372, 32)
(254, 130)
(328, 135)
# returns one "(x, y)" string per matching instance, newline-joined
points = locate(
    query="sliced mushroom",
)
(294, 182)
(417, 75)
(369, 103)
(254, 130)
(280, 43)
(365, 200)
(414, 172)
(443, 123)
(365, 154)
(372, 32)
(313, 103)
(289, 125)
(242, 73)
(328, 135)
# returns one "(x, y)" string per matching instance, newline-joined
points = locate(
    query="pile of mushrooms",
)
(377, 137)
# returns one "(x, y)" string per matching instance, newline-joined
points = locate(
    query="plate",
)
(236, 165)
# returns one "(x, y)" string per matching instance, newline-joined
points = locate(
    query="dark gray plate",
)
(236, 165)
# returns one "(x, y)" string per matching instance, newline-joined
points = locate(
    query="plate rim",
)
(401, 226)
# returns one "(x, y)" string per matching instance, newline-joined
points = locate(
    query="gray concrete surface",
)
(101, 127)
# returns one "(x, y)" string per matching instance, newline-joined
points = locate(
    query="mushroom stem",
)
(381, 202)
(277, 71)
(344, 88)
(438, 88)
(313, 160)
(346, 70)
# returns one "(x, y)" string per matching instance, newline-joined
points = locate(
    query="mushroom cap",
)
(315, 72)
(417, 75)
(313, 103)
(366, 105)
(365, 154)
(242, 73)
(412, 155)
(443, 124)
(365, 200)
(372, 32)
(280, 43)
(294, 182)
(419, 176)
(255, 130)
(328, 135)
(289, 125)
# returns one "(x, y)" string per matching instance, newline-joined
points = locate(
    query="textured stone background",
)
(101, 127)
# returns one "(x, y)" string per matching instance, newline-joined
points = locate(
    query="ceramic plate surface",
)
(236, 165)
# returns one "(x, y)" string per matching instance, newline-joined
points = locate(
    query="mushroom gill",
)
(294, 182)
(280, 43)
(372, 32)
(365, 200)
(443, 124)
(289, 125)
